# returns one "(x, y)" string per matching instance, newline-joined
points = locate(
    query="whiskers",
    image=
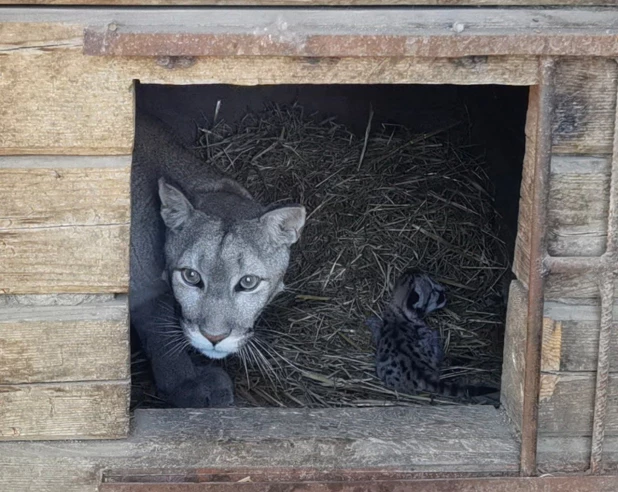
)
(257, 353)
(165, 321)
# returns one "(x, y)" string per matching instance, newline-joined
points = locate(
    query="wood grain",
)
(40, 91)
(574, 347)
(578, 206)
(312, 3)
(59, 343)
(566, 404)
(422, 439)
(512, 388)
(64, 229)
(67, 259)
(93, 410)
(63, 197)
(521, 261)
(585, 106)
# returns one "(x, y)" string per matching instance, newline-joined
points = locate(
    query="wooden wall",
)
(66, 133)
(582, 146)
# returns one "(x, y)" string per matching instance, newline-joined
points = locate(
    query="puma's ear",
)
(175, 208)
(284, 224)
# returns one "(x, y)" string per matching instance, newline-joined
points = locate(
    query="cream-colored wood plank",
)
(70, 259)
(93, 410)
(59, 343)
(65, 197)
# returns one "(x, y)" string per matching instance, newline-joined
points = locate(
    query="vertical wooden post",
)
(542, 96)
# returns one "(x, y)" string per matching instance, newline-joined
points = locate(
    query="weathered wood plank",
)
(572, 454)
(521, 261)
(70, 259)
(64, 229)
(422, 439)
(82, 342)
(312, 3)
(512, 388)
(44, 60)
(580, 483)
(585, 106)
(566, 404)
(93, 410)
(63, 197)
(571, 338)
(573, 286)
(47, 96)
(577, 209)
(578, 206)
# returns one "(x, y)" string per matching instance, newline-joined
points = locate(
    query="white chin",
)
(215, 354)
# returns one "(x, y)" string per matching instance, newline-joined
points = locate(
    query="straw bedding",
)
(377, 204)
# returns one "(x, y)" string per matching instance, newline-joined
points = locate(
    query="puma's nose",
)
(214, 339)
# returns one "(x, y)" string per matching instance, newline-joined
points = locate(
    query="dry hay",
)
(376, 205)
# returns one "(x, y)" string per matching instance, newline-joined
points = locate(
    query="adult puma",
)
(206, 259)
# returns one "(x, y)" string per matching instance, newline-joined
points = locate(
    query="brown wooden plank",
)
(585, 106)
(510, 484)
(93, 410)
(59, 343)
(337, 33)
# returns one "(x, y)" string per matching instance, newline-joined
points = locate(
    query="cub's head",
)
(224, 272)
(416, 295)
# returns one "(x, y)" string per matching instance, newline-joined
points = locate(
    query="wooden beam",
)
(317, 3)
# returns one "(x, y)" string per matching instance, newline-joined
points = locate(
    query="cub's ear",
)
(175, 208)
(284, 224)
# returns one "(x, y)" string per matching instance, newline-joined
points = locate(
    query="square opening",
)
(393, 177)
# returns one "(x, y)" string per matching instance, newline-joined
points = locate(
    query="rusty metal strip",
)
(571, 483)
(115, 40)
(538, 247)
(608, 278)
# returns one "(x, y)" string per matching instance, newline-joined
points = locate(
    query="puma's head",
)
(224, 272)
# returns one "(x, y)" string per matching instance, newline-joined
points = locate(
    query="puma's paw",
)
(212, 387)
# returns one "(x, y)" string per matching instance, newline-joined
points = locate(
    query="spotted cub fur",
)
(408, 352)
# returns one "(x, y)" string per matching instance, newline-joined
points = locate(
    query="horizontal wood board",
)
(64, 229)
(60, 343)
(312, 3)
(423, 439)
(40, 90)
(571, 338)
(52, 411)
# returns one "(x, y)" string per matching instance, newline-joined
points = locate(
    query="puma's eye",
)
(191, 277)
(249, 282)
